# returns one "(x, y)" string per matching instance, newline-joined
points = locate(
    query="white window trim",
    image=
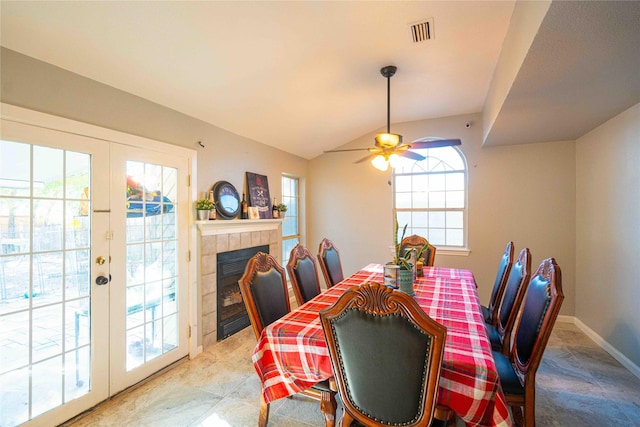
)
(446, 250)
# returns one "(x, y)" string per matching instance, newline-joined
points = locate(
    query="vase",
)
(406, 281)
(203, 214)
(419, 269)
(391, 275)
(282, 214)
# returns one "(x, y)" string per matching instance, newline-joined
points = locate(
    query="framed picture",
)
(258, 189)
(253, 212)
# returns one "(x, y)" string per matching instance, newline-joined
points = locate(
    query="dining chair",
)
(303, 274)
(386, 354)
(329, 260)
(490, 312)
(517, 282)
(418, 242)
(264, 292)
(517, 370)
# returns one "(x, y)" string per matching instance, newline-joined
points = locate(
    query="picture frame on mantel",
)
(258, 189)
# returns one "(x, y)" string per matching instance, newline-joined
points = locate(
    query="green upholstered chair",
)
(514, 291)
(490, 312)
(386, 354)
(329, 260)
(539, 312)
(303, 274)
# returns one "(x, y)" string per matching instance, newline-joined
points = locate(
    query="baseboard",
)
(615, 353)
(196, 352)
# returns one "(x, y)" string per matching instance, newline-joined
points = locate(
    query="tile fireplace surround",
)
(222, 236)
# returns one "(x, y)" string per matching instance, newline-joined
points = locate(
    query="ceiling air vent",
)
(422, 31)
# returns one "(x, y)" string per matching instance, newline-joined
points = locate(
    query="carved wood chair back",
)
(367, 329)
(264, 291)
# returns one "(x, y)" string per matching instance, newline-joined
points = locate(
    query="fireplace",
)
(216, 238)
(232, 314)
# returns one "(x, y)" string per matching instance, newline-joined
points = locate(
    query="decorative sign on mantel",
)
(258, 187)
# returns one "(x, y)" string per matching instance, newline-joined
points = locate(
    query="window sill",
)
(453, 251)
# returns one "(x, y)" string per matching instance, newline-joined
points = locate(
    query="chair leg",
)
(530, 410)
(518, 420)
(328, 406)
(444, 416)
(263, 418)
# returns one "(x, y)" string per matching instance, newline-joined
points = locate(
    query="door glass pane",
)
(151, 262)
(44, 279)
(15, 168)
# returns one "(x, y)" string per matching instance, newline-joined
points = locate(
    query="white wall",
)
(524, 193)
(608, 232)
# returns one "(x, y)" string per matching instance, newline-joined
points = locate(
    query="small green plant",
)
(281, 207)
(401, 259)
(204, 204)
(422, 251)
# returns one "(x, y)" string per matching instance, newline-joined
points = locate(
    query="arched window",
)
(430, 196)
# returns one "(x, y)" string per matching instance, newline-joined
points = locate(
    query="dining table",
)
(291, 354)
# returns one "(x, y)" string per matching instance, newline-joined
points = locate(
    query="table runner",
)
(291, 354)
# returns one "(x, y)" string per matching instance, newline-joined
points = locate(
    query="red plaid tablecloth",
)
(292, 354)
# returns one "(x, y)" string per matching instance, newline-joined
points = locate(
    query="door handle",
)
(101, 280)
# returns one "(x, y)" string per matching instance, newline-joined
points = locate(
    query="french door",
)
(149, 303)
(93, 274)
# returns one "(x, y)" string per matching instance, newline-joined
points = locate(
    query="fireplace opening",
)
(232, 314)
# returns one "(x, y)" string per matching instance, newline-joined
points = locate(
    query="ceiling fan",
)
(388, 146)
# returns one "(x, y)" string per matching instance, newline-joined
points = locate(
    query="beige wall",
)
(529, 194)
(608, 232)
(29, 83)
(524, 193)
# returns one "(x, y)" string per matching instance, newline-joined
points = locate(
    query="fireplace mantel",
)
(212, 228)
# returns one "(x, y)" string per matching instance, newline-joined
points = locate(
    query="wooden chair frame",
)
(500, 284)
(418, 242)
(262, 262)
(380, 300)
(326, 245)
(298, 253)
(548, 270)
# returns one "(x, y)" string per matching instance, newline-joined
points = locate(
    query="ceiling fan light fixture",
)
(388, 139)
(380, 162)
(394, 160)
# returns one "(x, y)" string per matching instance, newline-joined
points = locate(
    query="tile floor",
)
(578, 384)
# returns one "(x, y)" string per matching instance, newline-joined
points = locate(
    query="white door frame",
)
(35, 118)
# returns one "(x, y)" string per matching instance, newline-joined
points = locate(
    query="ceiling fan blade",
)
(364, 159)
(346, 149)
(412, 155)
(435, 143)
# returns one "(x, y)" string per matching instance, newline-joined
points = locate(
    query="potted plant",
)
(400, 270)
(282, 208)
(203, 208)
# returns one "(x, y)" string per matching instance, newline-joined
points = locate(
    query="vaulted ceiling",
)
(304, 76)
